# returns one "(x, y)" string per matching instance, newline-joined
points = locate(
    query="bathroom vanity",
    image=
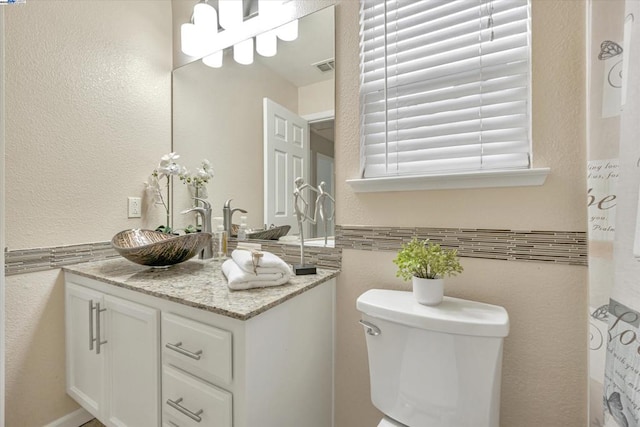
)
(175, 347)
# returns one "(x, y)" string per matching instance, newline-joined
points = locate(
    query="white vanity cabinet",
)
(180, 366)
(112, 357)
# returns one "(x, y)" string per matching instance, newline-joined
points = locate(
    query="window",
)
(445, 86)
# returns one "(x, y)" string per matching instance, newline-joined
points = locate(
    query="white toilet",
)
(433, 366)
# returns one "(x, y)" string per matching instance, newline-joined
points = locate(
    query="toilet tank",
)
(434, 366)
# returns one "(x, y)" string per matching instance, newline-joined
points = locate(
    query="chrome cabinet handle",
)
(177, 406)
(371, 329)
(178, 347)
(99, 341)
(91, 337)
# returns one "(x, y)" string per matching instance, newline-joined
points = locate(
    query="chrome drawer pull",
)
(177, 347)
(99, 341)
(91, 337)
(371, 329)
(195, 416)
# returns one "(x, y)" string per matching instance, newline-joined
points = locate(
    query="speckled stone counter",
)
(198, 284)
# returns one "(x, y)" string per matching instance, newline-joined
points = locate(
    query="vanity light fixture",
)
(201, 31)
(214, 60)
(288, 32)
(243, 52)
(231, 13)
(267, 43)
(200, 37)
(205, 15)
(190, 41)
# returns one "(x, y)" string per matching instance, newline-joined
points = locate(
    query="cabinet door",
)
(132, 353)
(85, 368)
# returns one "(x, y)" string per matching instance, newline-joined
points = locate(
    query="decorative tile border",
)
(562, 247)
(40, 259)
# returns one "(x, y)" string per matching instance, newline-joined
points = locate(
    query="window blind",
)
(445, 86)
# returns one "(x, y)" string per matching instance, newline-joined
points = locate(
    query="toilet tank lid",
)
(453, 315)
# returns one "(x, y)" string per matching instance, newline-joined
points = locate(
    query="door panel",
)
(85, 368)
(132, 363)
(286, 157)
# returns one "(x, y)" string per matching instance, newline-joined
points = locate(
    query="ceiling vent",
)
(326, 65)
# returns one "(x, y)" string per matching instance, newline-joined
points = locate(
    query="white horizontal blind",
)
(445, 86)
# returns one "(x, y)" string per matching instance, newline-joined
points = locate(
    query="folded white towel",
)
(265, 263)
(239, 279)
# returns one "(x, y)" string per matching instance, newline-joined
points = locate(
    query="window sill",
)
(447, 181)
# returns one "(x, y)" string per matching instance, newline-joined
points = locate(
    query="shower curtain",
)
(614, 211)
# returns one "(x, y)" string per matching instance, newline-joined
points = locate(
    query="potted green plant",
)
(426, 264)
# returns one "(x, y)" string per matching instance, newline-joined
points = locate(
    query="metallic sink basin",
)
(273, 233)
(156, 249)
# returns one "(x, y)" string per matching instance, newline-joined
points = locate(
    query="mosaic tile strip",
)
(563, 247)
(40, 259)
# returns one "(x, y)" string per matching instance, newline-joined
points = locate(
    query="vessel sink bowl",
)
(273, 233)
(156, 249)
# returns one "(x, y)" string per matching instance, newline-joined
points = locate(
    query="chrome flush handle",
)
(370, 328)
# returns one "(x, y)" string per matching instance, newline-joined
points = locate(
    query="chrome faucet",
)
(227, 216)
(205, 213)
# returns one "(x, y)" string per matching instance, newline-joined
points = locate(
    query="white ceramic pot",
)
(428, 291)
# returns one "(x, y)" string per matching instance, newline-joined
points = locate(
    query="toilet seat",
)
(388, 422)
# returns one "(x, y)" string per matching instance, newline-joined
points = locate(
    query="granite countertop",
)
(198, 284)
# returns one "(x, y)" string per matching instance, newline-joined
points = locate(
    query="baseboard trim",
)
(74, 419)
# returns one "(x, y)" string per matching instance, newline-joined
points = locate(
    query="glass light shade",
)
(268, 9)
(190, 42)
(204, 15)
(231, 13)
(243, 52)
(267, 43)
(214, 60)
(288, 32)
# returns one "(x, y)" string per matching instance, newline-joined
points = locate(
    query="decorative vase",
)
(428, 291)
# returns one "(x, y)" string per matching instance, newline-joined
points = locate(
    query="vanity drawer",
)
(201, 350)
(189, 402)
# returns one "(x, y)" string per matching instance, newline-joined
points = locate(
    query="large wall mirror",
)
(219, 115)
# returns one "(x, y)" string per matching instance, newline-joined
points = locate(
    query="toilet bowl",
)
(433, 366)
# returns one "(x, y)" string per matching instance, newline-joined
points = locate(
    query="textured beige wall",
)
(35, 376)
(88, 115)
(545, 359)
(316, 98)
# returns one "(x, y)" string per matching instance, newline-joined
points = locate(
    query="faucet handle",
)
(205, 204)
(196, 209)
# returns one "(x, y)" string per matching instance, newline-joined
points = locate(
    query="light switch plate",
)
(135, 207)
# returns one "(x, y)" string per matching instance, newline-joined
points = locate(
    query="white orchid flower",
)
(169, 158)
(204, 175)
(168, 166)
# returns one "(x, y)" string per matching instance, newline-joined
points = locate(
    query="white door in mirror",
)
(286, 157)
